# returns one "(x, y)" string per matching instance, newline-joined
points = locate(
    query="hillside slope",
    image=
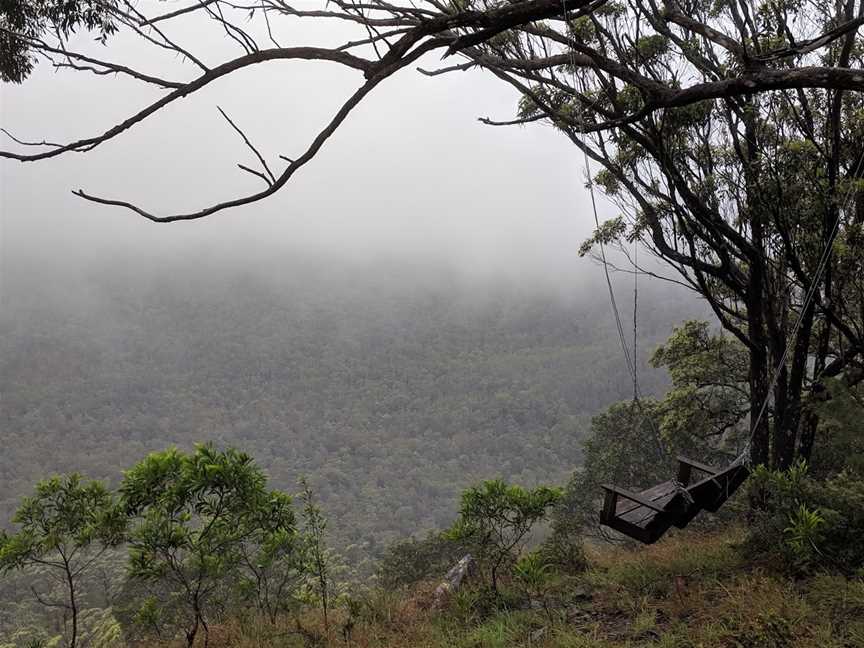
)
(390, 390)
(691, 590)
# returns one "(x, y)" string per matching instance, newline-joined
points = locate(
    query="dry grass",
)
(688, 591)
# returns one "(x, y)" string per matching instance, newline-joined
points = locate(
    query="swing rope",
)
(629, 359)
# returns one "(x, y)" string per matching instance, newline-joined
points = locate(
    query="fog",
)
(411, 178)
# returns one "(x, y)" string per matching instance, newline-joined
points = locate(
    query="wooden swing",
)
(647, 515)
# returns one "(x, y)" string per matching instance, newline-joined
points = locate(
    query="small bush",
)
(497, 518)
(503, 631)
(494, 634)
(374, 607)
(411, 561)
(474, 604)
(564, 551)
(815, 524)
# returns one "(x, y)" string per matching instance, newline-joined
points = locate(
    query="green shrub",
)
(474, 604)
(199, 519)
(410, 561)
(816, 524)
(502, 631)
(841, 444)
(806, 531)
(497, 518)
(374, 606)
(565, 551)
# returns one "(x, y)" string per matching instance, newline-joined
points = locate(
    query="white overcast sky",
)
(412, 174)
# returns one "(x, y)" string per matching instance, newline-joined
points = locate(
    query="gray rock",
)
(454, 579)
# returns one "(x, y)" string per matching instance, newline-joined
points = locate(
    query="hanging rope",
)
(629, 359)
(635, 312)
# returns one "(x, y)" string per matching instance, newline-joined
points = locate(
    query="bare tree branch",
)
(251, 147)
(384, 72)
(296, 53)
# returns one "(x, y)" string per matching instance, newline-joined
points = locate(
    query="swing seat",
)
(645, 516)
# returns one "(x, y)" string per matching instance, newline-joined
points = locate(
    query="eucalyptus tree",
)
(193, 518)
(497, 518)
(64, 528)
(318, 560)
(727, 131)
(754, 200)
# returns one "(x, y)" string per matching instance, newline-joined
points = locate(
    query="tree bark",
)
(193, 632)
(73, 606)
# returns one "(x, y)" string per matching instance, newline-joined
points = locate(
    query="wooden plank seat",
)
(712, 492)
(645, 516)
(641, 516)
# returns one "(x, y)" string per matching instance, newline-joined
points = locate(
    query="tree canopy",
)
(65, 527)
(24, 23)
(193, 517)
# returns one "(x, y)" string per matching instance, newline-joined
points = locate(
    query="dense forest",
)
(391, 389)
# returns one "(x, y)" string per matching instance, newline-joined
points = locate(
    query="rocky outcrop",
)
(461, 571)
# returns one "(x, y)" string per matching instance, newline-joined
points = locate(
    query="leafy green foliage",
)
(816, 524)
(497, 517)
(148, 610)
(564, 551)
(651, 47)
(707, 406)
(840, 408)
(64, 516)
(194, 517)
(64, 528)
(23, 20)
(806, 531)
(533, 574)
(273, 564)
(407, 562)
(610, 230)
(318, 560)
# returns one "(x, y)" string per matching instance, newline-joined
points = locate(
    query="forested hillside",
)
(391, 388)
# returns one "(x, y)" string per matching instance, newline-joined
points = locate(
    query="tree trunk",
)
(758, 368)
(193, 632)
(73, 606)
(795, 420)
(808, 435)
(780, 445)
